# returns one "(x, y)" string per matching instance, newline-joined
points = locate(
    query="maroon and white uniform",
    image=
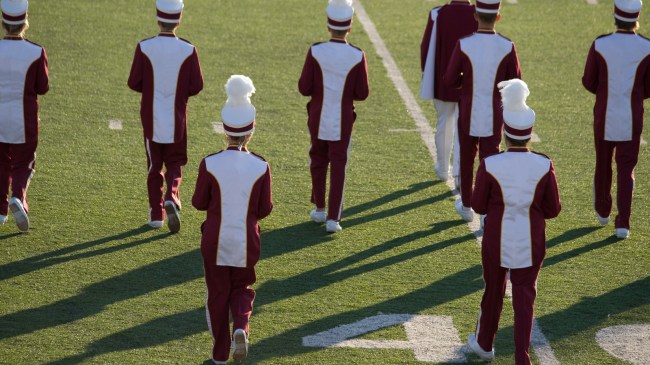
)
(234, 187)
(517, 190)
(478, 63)
(334, 75)
(167, 72)
(445, 26)
(618, 72)
(23, 76)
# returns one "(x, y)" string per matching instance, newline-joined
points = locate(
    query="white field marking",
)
(542, 347)
(421, 122)
(511, 1)
(218, 128)
(115, 124)
(535, 138)
(592, 2)
(400, 130)
(629, 343)
(643, 142)
(431, 338)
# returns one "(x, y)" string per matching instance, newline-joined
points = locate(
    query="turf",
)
(91, 284)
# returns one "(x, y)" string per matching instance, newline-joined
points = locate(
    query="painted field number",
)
(431, 338)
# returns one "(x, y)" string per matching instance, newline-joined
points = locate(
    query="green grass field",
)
(91, 284)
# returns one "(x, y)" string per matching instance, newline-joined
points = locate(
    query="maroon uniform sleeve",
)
(135, 78)
(362, 89)
(454, 74)
(514, 69)
(306, 82)
(426, 39)
(201, 197)
(551, 205)
(42, 75)
(266, 198)
(590, 75)
(196, 75)
(481, 192)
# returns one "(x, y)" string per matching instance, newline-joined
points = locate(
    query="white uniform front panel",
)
(236, 172)
(166, 55)
(485, 52)
(336, 60)
(429, 73)
(621, 72)
(15, 57)
(518, 174)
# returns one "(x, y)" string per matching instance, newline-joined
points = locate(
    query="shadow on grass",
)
(9, 235)
(94, 298)
(571, 235)
(308, 281)
(307, 234)
(51, 258)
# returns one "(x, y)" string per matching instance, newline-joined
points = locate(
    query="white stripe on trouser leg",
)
(207, 312)
(345, 174)
(148, 153)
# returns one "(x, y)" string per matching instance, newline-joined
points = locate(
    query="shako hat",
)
(169, 11)
(518, 117)
(627, 10)
(339, 14)
(14, 12)
(488, 6)
(238, 115)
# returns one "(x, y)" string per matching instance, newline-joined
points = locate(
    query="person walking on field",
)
(517, 191)
(167, 72)
(234, 188)
(618, 72)
(24, 75)
(334, 75)
(446, 24)
(478, 63)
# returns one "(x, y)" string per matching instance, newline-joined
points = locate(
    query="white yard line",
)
(643, 142)
(421, 122)
(540, 343)
(542, 347)
(535, 138)
(592, 2)
(218, 127)
(512, 1)
(115, 124)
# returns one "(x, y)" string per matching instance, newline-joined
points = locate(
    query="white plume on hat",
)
(172, 10)
(238, 112)
(340, 11)
(14, 11)
(627, 10)
(518, 117)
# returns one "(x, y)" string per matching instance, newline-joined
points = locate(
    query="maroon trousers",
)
(627, 155)
(524, 291)
(332, 154)
(173, 156)
(229, 292)
(16, 170)
(469, 145)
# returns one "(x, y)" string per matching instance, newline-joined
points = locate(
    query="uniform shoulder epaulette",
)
(504, 37)
(353, 46)
(604, 35)
(541, 154)
(36, 44)
(212, 154)
(146, 39)
(644, 37)
(258, 156)
(185, 40)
